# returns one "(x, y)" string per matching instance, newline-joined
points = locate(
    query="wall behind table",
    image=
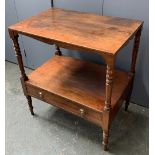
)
(138, 9)
(11, 18)
(37, 52)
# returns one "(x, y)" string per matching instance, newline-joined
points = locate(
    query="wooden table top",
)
(102, 34)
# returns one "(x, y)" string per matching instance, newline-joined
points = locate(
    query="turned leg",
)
(108, 87)
(58, 52)
(105, 140)
(14, 36)
(29, 100)
(133, 65)
(107, 105)
(106, 128)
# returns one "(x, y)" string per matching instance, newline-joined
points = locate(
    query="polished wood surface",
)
(78, 81)
(88, 90)
(68, 105)
(103, 34)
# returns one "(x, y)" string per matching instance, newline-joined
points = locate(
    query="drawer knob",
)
(40, 94)
(82, 112)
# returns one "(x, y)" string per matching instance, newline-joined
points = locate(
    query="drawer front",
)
(65, 104)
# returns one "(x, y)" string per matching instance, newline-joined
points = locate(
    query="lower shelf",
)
(75, 82)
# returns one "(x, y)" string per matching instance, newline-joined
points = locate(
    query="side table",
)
(91, 91)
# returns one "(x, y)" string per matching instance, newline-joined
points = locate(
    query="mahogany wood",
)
(18, 55)
(14, 37)
(109, 83)
(63, 103)
(91, 91)
(76, 30)
(63, 75)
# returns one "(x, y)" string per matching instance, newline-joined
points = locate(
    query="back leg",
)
(58, 52)
(29, 100)
(128, 98)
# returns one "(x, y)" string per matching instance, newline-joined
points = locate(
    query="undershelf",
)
(77, 80)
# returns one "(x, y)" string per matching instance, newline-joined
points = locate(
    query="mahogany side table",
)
(91, 91)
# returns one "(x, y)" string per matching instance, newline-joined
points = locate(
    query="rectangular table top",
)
(103, 34)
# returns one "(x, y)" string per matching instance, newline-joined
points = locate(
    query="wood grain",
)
(84, 31)
(78, 81)
(91, 91)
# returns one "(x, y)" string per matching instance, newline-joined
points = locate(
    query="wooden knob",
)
(40, 94)
(82, 112)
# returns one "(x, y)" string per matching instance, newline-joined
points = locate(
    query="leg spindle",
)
(105, 140)
(58, 52)
(14, 36)
(108, 91)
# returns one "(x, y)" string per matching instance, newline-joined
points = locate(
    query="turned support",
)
(107, 105)
(106, 128)
(14, 36)
(109, 83)
(133, 64)
(105, 140)
(19, 57)
(58, 52)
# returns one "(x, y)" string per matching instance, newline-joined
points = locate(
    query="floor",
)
(55, 132)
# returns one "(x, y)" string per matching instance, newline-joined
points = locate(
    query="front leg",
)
(14, 36)
(107, 105)
(106, 128)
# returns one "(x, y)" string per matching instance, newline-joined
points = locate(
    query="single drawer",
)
(61, 102)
